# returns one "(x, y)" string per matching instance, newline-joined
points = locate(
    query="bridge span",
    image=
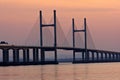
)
(38, 52)
(39, 55)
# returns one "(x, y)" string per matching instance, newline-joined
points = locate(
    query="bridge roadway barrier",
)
(21, 55)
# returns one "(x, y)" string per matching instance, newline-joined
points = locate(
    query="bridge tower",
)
(86, 56)
(41, 38)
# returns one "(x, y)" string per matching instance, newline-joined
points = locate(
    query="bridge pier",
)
(5, 56)
(15, 55)
(35, 55)
(43, 61)
(82, 60)
(112, 57)
(109, 56)
(83, 56)
(101, 56)
(27, 55)
(24, 56)
(97, 56)
(56, 56)
(93, 56)
(42, 56)
(74, 56)
(106, 57)
(117, 57)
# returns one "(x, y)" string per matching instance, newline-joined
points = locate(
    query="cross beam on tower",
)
(48, 25)
(85, 38)
(41, 35)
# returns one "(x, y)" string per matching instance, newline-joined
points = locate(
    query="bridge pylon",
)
(85, 57)
(55, 38)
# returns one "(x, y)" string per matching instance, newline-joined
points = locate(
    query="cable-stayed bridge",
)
(51, 38)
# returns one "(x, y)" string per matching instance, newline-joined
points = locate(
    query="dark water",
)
(100, 71)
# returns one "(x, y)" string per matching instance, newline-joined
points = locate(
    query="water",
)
(96, 71)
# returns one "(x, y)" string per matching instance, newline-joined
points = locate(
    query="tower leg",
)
(42, 56)
(55, 55)
(73, 56)
(83, 56)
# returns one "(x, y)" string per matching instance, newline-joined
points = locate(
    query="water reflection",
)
(49, 73)
(104, 71)
(64, 72)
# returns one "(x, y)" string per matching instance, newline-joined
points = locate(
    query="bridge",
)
(38, 52)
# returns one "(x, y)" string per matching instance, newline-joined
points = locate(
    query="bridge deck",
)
(95, 56)
(49, 48)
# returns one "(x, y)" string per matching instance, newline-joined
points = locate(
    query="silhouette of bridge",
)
(38, 52)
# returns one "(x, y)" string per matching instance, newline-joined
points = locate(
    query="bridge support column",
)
(109, 56)
(42, 56)
(74, 56)
(101, 56)
(27, 55)
(113, 57)
(35, 55)
(82, 59)
(106, 57)
(5, 56)
(93, 56)
(15, 55)
(83, 56)
(117, 57)
(55, 55)
(24, 56)
(97, 56)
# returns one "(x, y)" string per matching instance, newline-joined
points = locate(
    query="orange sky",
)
(103, 16)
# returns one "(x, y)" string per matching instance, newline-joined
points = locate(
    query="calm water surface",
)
(100, 71)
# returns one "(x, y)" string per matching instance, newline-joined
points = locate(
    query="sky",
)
(17, 18)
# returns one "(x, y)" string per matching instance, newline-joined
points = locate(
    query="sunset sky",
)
(17, 18)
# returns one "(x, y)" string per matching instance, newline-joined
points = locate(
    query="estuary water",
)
(63, 71)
